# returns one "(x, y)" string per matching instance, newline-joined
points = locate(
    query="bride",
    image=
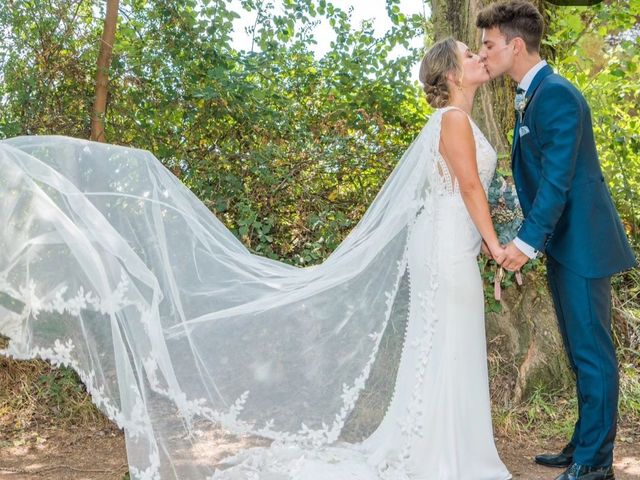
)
(183, 337)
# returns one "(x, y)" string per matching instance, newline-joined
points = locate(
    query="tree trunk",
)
(102, 74)
(525, 349)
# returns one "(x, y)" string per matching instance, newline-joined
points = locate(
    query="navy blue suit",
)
(570, 216)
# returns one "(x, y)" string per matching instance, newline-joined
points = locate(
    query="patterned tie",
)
(519, 104)
(520, 99)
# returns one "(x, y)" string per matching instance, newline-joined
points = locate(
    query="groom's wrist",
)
(525, 248)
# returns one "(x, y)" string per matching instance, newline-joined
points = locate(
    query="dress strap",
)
(444, 110)
(450, 107)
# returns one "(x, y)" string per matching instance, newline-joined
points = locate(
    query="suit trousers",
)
(583, 308)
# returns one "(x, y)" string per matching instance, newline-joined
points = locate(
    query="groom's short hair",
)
(514, 18)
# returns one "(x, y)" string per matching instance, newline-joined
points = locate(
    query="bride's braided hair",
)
(441, 59)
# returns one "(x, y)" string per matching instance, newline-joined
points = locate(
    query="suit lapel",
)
(535, 83)
(515, 139)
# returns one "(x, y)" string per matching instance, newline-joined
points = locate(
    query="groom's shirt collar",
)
(528, 77)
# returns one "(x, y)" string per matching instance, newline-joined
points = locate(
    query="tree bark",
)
(102, 74)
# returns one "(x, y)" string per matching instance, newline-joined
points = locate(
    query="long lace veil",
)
(110, 265)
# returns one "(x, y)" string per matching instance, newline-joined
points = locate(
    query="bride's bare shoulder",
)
(456, 121)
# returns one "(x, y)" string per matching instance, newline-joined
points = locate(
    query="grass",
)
(35, 392)
(547, 414)
(553, 413)
(629, 405)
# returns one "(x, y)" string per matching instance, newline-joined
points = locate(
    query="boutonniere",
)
(521, 103)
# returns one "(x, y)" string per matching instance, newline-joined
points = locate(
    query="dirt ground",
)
(518, 456)
(54, 454)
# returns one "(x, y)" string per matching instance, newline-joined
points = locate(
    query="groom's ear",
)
(520, 46)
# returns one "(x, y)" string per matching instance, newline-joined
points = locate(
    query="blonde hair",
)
(440, 59)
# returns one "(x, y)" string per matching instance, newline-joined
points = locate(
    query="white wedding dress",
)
(108, 264)
(438, 425)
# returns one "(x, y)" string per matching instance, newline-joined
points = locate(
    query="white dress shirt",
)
(524, 84)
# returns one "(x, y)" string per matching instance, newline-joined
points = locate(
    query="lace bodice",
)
(486, 159)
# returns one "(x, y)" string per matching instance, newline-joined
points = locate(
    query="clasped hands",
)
(508, 256)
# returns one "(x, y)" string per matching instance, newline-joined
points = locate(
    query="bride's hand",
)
(498, 253)
(484, 248)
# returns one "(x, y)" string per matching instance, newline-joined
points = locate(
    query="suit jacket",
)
(568, 209)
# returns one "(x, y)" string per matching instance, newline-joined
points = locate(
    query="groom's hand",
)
(515, 259)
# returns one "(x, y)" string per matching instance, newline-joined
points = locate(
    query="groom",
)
(568, 215)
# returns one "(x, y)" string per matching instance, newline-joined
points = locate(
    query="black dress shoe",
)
(584, 472)
(560, 460)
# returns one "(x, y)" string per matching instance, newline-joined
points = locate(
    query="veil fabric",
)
(108, 264)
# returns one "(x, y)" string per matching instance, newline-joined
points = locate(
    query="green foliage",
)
(44, 79)
(597, 49)
(286, 149)
(57, 386)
